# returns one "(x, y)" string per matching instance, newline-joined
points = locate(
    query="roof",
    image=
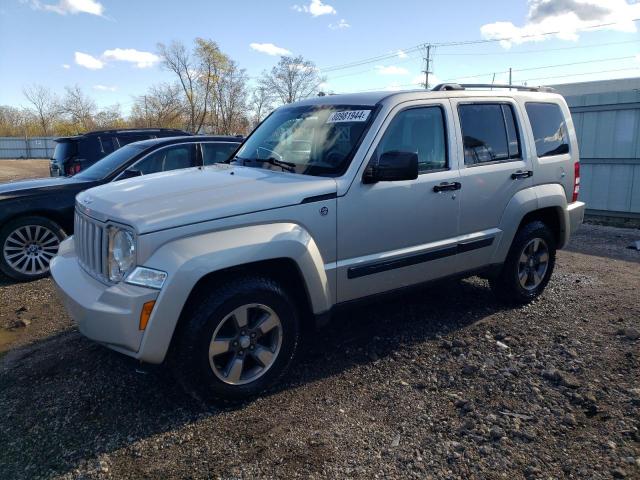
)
(373, 98)
(122, 130)
(187, 139)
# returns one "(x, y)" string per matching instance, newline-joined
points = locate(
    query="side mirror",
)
(392, 167)
(130, 173)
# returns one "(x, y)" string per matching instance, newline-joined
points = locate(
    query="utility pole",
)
(509, 77)
(427, 66)
(146, 112)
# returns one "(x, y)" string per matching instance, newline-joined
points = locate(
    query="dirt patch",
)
(441, 383)
(20, 169)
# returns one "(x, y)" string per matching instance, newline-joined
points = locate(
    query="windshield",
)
(110, 163)
(317, 140)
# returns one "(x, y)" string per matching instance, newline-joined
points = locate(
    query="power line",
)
(585, 73)
(539, 50)
(521, 70)
(460, 43)
(543, 67)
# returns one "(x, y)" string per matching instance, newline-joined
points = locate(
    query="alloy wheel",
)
(245, 345)
(30, 248)
(533, 264)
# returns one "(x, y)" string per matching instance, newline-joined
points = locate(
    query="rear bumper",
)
(575, 213)
(106, 314)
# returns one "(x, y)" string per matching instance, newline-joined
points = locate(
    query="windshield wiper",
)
(285, 166)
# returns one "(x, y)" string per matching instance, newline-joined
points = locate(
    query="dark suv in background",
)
(74, 154)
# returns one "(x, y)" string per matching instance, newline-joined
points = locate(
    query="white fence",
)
(23, 147)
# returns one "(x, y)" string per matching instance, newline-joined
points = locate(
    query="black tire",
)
(189, 356)
(8, 247)
(507, 285)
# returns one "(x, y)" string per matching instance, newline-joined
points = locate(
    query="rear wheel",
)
(238, 341)
(27, 246)
(528, 266)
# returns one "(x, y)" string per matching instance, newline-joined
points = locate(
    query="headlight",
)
(147, 277)
(122, 253)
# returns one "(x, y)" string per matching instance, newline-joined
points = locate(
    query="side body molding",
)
(187, 260)
(526, 201)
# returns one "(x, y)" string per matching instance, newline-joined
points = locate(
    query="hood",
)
(21, 188)
(181, 197)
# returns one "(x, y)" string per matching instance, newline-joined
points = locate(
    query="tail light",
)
(73, 169)
(576, 181)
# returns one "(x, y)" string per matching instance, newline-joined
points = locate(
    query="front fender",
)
(187, 260)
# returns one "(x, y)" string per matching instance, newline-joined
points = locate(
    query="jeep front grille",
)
(90, 240)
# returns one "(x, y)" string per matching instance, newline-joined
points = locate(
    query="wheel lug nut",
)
(253, 335)
(235, 344)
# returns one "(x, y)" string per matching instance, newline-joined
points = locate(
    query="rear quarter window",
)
(549, 128)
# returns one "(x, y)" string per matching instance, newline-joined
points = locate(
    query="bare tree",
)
(45, 106)
(79, 108)
(160, 107)
(13, 121)
(109, 117)
(197, 72)
(261, 104)
(292, 79)
(229, 104)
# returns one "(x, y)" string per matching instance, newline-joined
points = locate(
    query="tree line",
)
(210, 93)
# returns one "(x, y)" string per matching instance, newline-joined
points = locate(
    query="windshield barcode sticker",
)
(349, 116)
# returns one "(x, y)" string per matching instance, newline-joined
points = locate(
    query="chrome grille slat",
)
(90, 243)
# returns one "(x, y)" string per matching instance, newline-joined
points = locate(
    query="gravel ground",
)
(440, 383)
(19, 169)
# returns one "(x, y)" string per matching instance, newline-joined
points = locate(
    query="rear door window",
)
(108, 144)
(217, 152)
(489, 133)
(130, 138)
(549, 128)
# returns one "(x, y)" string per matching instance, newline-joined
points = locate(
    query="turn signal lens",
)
(145, 314)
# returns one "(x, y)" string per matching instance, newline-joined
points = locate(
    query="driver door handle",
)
(444, 186)
(522, 174)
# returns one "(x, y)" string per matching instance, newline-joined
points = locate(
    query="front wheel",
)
(528, 266)
(27, 246)
(239, 340)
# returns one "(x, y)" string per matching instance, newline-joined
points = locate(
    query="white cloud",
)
(269, 49)
(342, 24)
(66, 66)
(391, 70)
(401, 54)
(105, 88)
(88, 61)
(137, 57)
(316, 8)
(63, 7)
(567, 17)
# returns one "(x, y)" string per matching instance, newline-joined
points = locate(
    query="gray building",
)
(606, 115)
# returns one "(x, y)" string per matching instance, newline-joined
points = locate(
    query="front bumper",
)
(108, 314)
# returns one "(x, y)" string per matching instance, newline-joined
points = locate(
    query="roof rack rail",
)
(131, 130)
(465, 86)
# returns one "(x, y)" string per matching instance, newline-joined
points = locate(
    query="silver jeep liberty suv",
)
(332, 199)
